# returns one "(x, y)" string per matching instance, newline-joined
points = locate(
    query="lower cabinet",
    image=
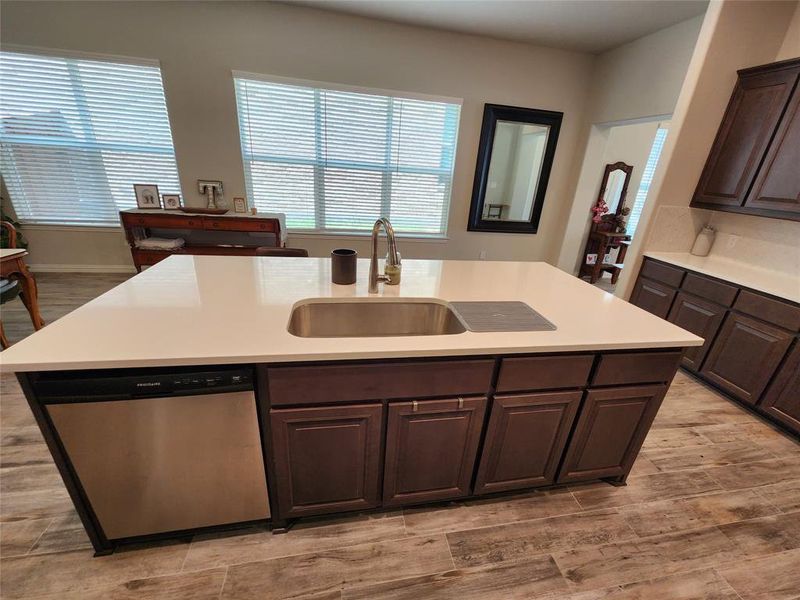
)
(745, 356)
(327, 459)
(525, 440)
(782, 400)
(610, 432)
(431, 448)
(702, 318)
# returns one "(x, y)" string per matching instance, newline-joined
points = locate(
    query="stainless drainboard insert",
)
(501, 316)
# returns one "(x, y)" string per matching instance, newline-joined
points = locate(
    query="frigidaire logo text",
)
(149, 384)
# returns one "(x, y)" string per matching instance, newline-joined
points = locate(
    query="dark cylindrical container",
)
(343, 266)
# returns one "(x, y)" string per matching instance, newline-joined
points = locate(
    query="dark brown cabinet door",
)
(525, 440)
(611, 429)
(702, 318)
(431, 447)
(745, 355)
(653, 297)
(782, 399)
(777, 187)
(750, 120)
(327, 459)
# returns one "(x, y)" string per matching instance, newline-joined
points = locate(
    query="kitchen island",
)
(189, 368)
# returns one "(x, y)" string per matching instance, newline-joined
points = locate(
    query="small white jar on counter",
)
(703, 242)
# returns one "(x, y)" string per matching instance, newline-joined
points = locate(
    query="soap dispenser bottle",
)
(703, 242)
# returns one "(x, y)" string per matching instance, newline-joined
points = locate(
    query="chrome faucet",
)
(391, 274)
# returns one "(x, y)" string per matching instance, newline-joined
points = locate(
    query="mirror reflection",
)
(514, 171)
(614, 192)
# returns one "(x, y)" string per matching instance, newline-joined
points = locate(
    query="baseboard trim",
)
(59, 268)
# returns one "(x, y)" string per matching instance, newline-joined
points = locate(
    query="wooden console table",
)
(216, 234)
(600, 242)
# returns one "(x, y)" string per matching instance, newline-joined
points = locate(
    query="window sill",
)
(350, 235)
(69, 227)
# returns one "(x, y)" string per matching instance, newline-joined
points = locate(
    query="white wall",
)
(640, 80)
(200, 43)
(643, 78)
(735, 35)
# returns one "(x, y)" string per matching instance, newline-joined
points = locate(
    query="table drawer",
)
(636, 367)
(532, 373)
(265, 225)
(326, 384)
(166, 221)
(661, 272)
(716, 291)
(772, 311)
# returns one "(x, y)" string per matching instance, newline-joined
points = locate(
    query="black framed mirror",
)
(515, 155)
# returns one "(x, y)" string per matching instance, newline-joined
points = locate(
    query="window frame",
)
(100, 57)
(357, 89)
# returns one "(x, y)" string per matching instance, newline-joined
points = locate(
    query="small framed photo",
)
(591, 259)
(171, 201)
(147, 195)
(239, 205)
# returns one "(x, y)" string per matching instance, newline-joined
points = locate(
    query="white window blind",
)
(647, 179)
(76, 134)
(336, 161)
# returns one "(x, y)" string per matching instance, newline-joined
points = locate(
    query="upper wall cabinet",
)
(752, 166)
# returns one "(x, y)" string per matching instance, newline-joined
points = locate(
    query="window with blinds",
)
(335, 161)
(647, 180)
(76, 134)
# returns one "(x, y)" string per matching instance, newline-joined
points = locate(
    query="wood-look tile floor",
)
(711, 510)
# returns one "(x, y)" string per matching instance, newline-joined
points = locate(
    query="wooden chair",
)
(274, 251)
(9, 288)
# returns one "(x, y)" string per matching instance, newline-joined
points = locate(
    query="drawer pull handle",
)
(414, 406)
(460, 403)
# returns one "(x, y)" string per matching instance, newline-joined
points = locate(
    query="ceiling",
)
(584, 25)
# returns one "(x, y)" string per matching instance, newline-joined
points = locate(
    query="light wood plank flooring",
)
(712, 510)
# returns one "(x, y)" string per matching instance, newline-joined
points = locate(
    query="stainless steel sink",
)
(359, 317)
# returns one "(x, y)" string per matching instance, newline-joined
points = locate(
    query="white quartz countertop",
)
(203, 310)
(776, 283)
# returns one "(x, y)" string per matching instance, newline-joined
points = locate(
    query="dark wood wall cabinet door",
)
(777, 187)
(431, 448)
(702, 318)
(525, 440)
(610, 431)
(327, 459)
(745, 356)
(752, 116)
(782, 400)
(653, 297)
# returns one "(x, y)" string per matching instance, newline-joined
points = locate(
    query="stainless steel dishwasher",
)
(159, 451)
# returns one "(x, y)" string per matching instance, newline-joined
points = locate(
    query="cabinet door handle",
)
(414, 405)
(460, 403)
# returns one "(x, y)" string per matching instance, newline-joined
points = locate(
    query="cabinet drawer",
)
(661, 272)
(769, 310)
(240, 224)
(165, 221)
(656, 298)
(544, 372)
(636, 367)
(325, 384)
(719, 292)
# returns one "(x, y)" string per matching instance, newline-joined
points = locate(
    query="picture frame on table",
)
(171, 201)
(147, 195)
(239, 205)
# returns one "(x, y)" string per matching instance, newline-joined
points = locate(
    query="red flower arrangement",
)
(599, 210)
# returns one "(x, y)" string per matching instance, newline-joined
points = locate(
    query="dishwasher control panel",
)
(141, 383)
